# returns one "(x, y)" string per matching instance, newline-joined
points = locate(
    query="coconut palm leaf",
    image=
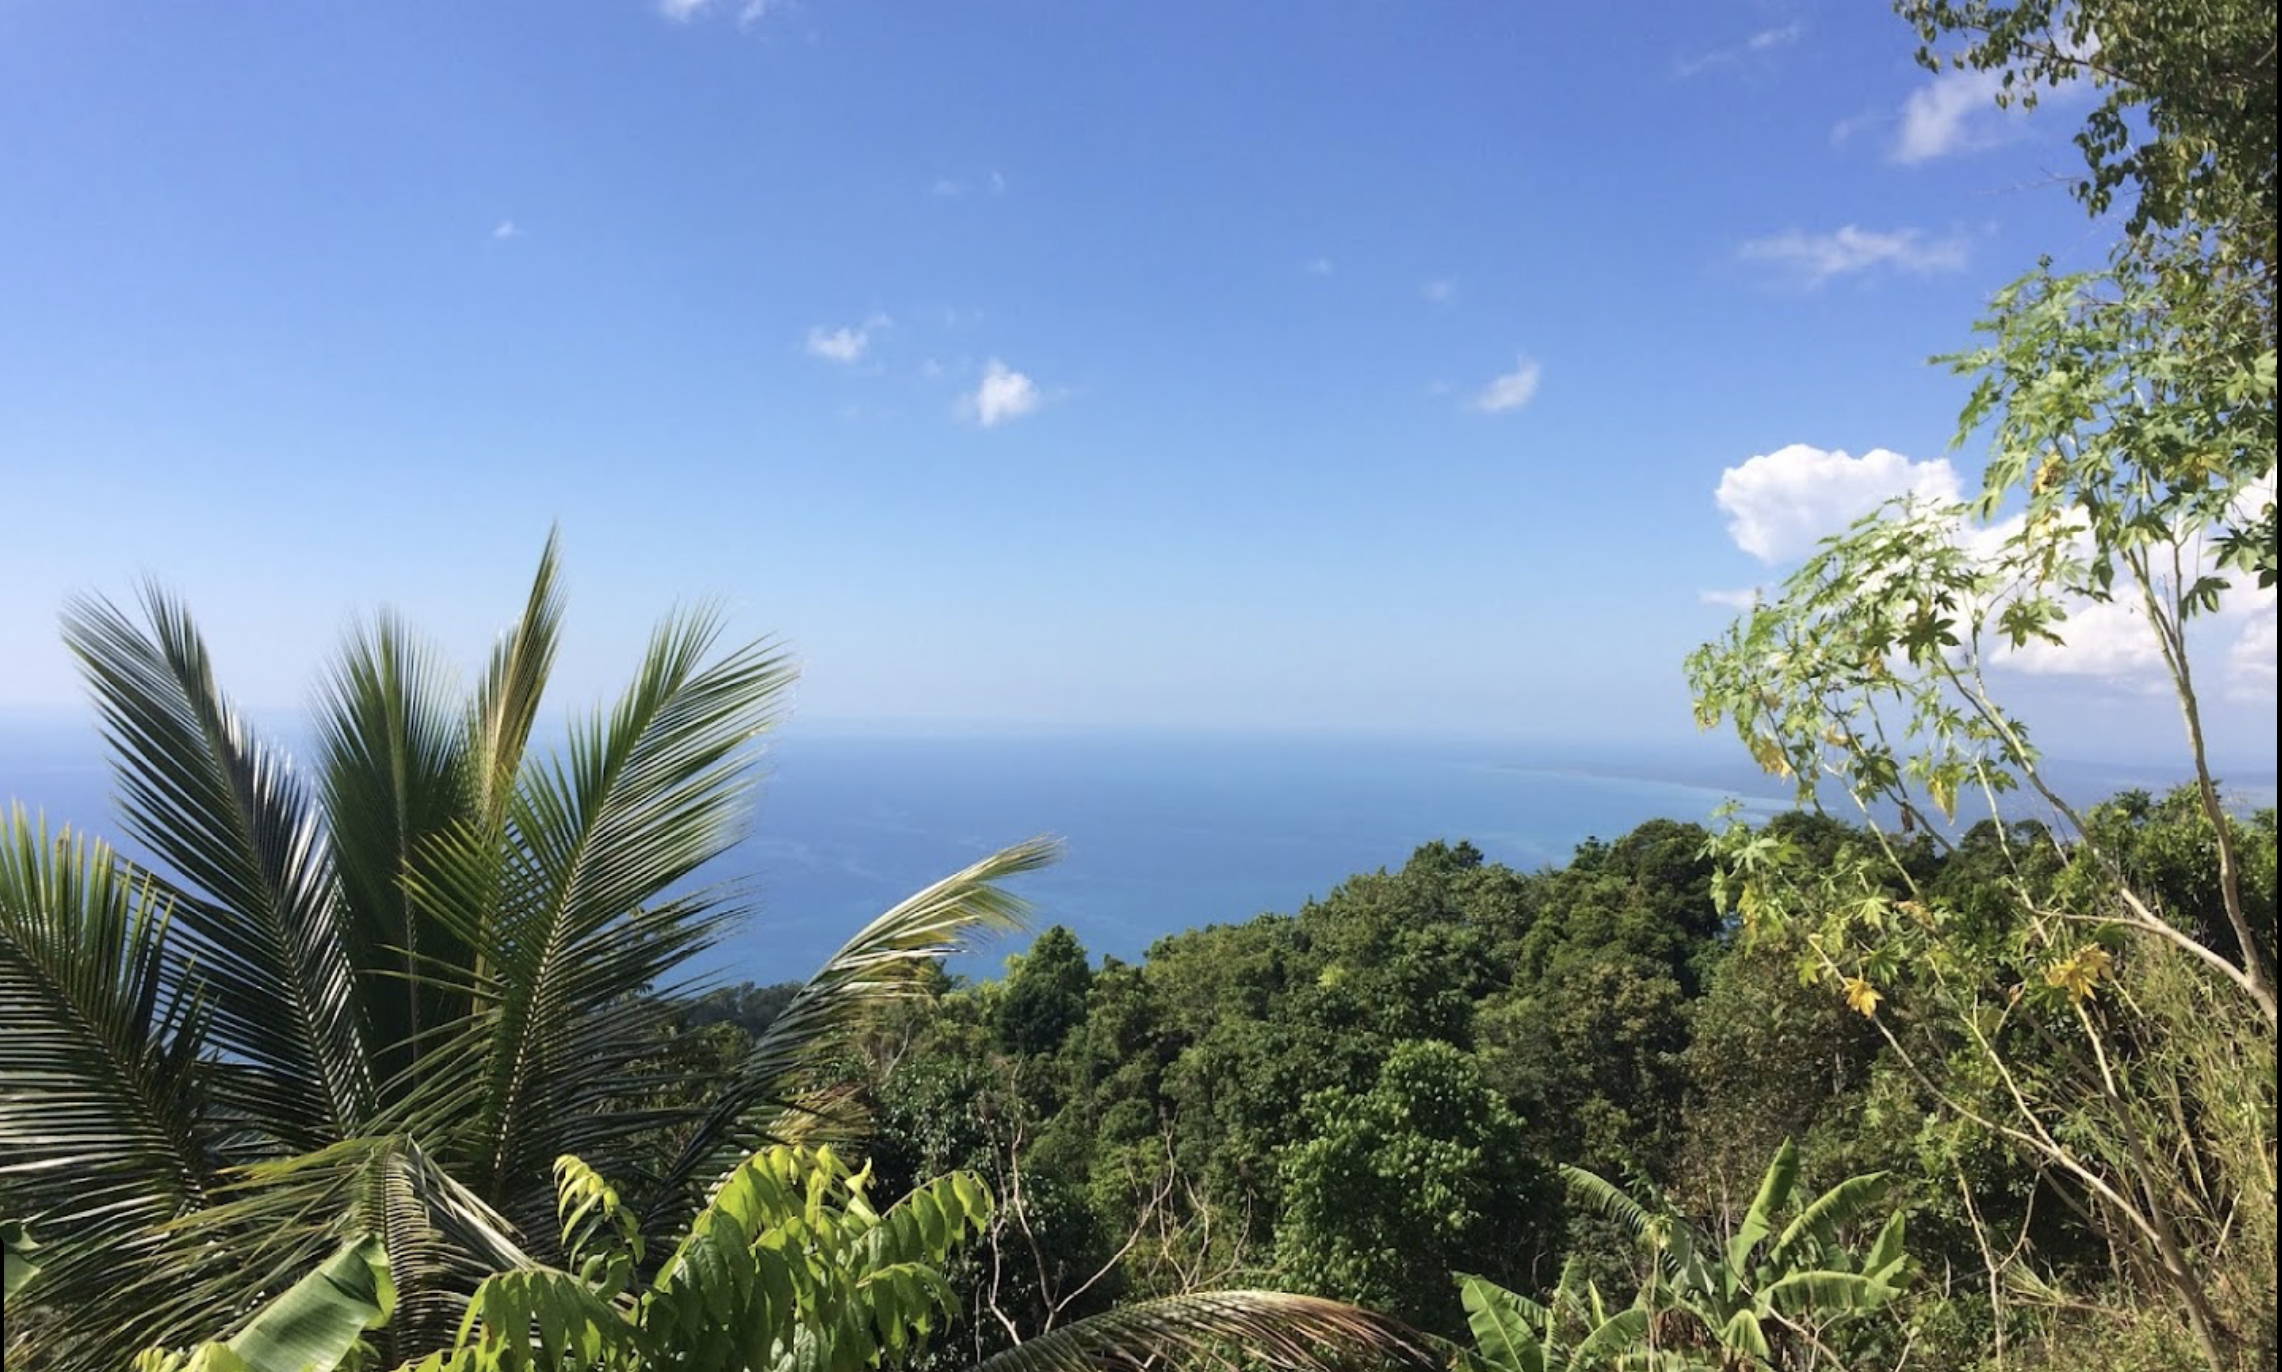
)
(105, 1131)
(1227, 1329)
(256, 902)
(276, 1219)
(507, 699)
(877, 966)
(392, 763)
(99, 1102)
(572, 922)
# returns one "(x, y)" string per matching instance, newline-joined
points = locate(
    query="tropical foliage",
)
(385, 993)
(1762, 1298)
(789, 1266)
(2110, 1017)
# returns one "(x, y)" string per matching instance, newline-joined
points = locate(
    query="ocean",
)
(1163, 830)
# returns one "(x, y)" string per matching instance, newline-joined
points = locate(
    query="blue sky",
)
(1340, 364)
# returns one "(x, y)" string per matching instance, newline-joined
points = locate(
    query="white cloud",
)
(945, 188)
(1954, 112)
(750, 12)
(1742, 599)
(1320, 266)
(2250, 661)
(1764, 41)
(2099, 638)
(505, 230)
(1004, 395)
(997, 183)
(844, 344)
(1814, 258)
(1511, 391)
(1440, 291)
(1780, 504)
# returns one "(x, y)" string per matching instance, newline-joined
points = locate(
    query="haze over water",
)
(1164, 830)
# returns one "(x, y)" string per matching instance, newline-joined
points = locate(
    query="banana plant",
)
(317, 1324)
(1765, 1297)
(1513, 1333)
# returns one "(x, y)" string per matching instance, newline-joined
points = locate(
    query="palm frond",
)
(256, 908)
(274, 1219)
(1229, 1329)
(507, 700)
(879, 965)
(99, 1098)
(392, 768)
(313, 1325)
(573, 917)
(103, 1115)
(17, 1265)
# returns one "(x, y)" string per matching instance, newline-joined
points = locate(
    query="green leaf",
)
(316, 1323)
(1503, 1325)
(17, 1265)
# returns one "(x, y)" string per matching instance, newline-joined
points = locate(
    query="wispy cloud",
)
(1319, 266)
(505, 230)
(1954, 112)
(951, 187)
(1440, 291)
(1005, 395)
(1811, 259)
(1510, 391)
(1742, 599)
(846, 343)
(748, 12)
(1762, 42)
(2250, 661)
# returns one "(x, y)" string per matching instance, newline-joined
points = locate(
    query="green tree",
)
(1044, 997)
(1394, 1187)
(396, 985)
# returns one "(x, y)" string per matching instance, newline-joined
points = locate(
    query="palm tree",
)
(381, 993)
